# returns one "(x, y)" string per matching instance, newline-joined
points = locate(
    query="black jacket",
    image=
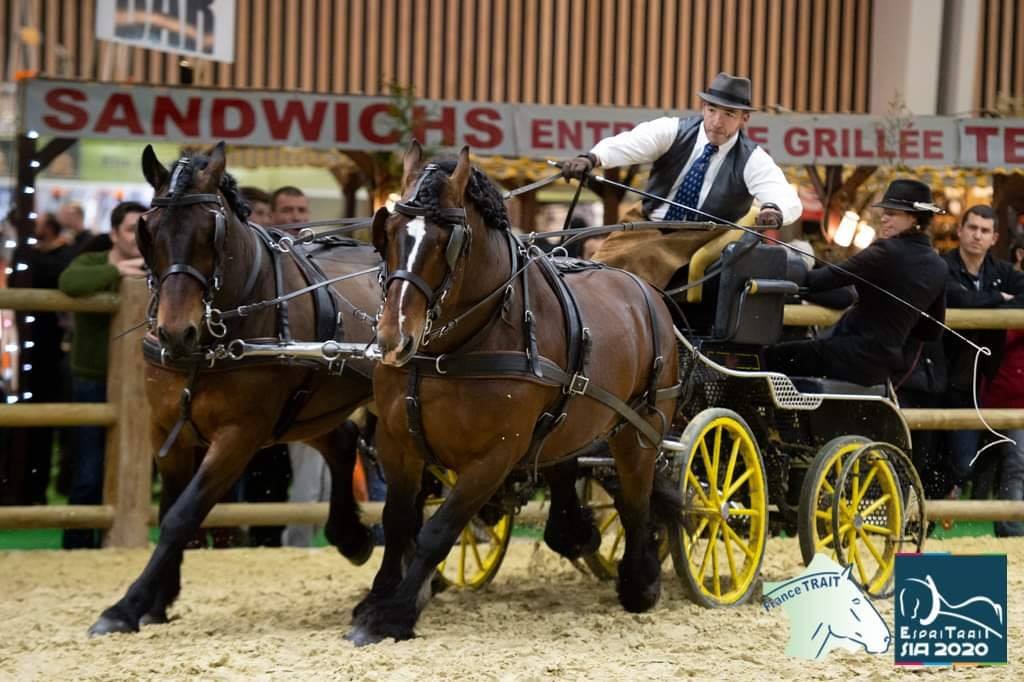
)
(876, 332)
(963, 290)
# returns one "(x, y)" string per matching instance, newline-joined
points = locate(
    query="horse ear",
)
(154, 172)
(460, 176)
(209, 177)
(411, 163)
(379, 231)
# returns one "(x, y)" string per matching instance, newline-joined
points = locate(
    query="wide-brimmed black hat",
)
(728, 91)
(912, 196)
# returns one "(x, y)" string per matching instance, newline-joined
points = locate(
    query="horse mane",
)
(480, 190)
(190, 164)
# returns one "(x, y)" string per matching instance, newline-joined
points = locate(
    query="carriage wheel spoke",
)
(716, 579)
(618, 539)
(854, 488)
(871, 547)
(877, 530)
(866, 483)
(825, 542)
(462, 553)
(736, 484)
(731, 466)
(743, 511)
(697, 489)
(709, 472)
(824, 515)
(716, 454)
(740, 542)
(857, 560)
(607, 522)
(875, 505)
(495, 540)
(728, 554)
(707, 552)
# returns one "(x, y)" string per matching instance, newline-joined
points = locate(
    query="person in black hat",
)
(879, 337)
(705, 162)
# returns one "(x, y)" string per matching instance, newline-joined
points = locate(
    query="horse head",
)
(422, 244)
(182, 241)
(850, 615)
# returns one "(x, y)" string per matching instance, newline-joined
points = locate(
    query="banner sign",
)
(262, 118)
(197, 28)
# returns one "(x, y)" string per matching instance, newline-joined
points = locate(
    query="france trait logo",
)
(827, 611)
(950, 609)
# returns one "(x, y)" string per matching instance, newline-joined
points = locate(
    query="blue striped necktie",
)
(688, 193)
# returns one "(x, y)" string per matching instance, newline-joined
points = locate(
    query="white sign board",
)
(197, 28)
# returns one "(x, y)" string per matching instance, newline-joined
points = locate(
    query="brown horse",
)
(453, 288)
(203, 254)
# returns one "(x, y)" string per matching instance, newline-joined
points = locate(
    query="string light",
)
(847, 229)
(27, 395)
(865, 235)
(31, 241)
(30, 318)
(11, 399)
(33, 164)
(27, 367)
(29, 189)
(21, 267)
(32, 134)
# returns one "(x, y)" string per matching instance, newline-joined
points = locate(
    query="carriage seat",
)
(837, 387)
(755, 280)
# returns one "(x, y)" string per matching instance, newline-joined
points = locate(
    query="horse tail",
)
(666, 501)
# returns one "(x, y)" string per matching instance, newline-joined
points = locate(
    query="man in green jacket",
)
(90, 273)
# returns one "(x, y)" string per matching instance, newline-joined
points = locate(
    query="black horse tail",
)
(666, 501)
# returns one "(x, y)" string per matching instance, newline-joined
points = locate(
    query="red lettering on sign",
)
(218, 118)
(908, 144)
(59, 99)
(540, 127)
(859, 150)
(119, 111)
(981, 135)
(825, 141)
(597, 128)
(1014, 145)
(570, 134)
(883, 152)
(366, 120)
(187, 122)
(932, 144)
(795, 142)
(446, 124)
(758, 134)
(280, 125)
(341, 121)
(478, 119)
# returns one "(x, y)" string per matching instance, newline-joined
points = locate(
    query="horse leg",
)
(344, 530)
(176, 469)
(639, 583)
(570, 529)
(395, 615)
(231, 449)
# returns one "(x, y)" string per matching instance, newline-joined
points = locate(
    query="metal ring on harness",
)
(664, 428)
(437, 364)
(216, 327)
(236, 349)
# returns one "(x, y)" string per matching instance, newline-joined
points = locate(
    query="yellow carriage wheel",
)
(814, 516)
(718, 550)
(867, 517)
(604, 563)
(476, 556)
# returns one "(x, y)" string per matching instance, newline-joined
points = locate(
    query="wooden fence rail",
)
(127, 512)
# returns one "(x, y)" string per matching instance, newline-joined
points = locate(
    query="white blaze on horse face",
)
(417, 229)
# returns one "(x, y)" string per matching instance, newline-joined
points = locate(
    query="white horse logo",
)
(828, 611)
(925, 607)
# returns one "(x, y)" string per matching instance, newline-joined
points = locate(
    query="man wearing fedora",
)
(880, 337)
(705, 162)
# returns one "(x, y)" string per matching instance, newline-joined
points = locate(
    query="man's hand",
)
(131, 267)
(1006, 296)
(770, 216)
(579, 167)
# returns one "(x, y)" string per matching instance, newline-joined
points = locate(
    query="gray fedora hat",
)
(729, 91)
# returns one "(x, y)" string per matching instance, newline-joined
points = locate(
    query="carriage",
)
(673, 392)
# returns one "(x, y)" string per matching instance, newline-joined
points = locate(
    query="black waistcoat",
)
(728, 198)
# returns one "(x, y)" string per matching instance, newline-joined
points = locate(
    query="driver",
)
(870, 343)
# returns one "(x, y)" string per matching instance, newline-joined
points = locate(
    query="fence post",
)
(129, 463)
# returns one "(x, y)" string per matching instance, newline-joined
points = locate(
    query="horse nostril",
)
(161, 334)
(191, 335)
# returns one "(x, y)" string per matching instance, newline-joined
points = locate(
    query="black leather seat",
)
(754, 283)
(835, 386)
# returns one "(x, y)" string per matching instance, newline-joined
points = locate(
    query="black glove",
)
(770, 216)
(579, 167)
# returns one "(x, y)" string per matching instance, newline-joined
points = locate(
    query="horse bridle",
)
(210, 285)
(457, 244)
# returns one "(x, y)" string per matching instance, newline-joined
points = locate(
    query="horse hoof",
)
(362, 637)
(159, 618)
(109, 626)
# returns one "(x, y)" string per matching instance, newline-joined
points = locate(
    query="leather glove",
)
(770, 216)
(579, 167)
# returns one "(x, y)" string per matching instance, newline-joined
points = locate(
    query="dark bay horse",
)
(465, 342)
(203, 254)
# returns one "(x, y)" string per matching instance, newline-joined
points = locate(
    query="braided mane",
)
(480, 190)
(190, 165)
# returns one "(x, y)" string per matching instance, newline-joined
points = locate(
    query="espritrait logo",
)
(950, 609)
(827, 611)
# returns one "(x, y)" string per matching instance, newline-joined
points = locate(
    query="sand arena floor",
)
(280, 614)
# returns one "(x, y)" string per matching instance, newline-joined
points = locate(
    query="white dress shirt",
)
(649, 140)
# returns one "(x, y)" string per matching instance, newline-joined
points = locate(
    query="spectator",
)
(259, 201)
(72, 219)
(1017, 255)
(879, 336)
(924, 386)
(289, 206)
(90, 273)
(1007, 390)
(43, 377)
(975, 280)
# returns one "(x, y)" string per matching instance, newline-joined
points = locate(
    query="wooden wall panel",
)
(803, 55)
(999, 85)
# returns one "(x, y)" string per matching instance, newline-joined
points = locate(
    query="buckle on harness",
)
(578, 385)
